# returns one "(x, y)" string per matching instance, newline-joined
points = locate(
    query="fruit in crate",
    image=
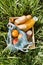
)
(15, 33)
(19, 37)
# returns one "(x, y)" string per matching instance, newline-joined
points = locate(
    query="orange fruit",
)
(15, 33)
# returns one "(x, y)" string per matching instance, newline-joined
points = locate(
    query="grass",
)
(11, 8)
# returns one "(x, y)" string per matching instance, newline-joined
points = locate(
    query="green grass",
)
(11, 8)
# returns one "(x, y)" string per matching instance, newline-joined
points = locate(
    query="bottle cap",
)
(35, 18)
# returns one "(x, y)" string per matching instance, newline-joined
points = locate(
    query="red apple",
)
(15, 41)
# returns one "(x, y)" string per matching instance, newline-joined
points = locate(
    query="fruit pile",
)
(23, 23)
(20, 33)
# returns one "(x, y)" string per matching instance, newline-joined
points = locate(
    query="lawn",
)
(12, 8)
